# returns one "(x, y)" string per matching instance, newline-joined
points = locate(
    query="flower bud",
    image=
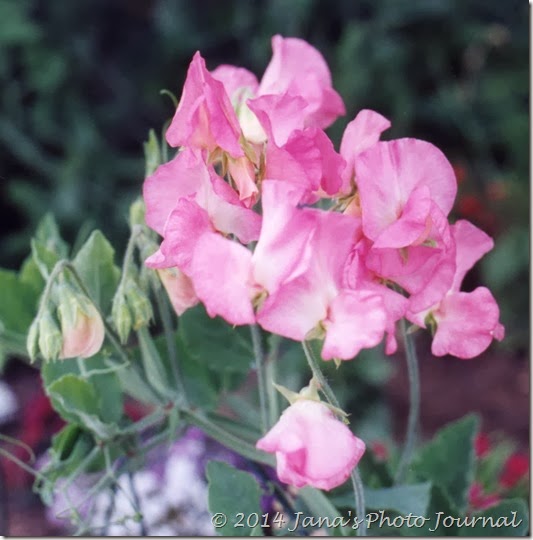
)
(121, 316)
(32, 340)
(81, 325)
(139, 304)
(50, 340)
(137, 210)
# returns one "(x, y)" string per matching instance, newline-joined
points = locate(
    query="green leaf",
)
(198, 379)
(509, 518)
(216, 343)
(77, 401)
(231, 493)
(448, 460)
(413, 498)
(18, 305)
(95, 264)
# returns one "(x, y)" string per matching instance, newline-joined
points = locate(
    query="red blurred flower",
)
(380, 451)
(482, 445)
(515, 469)
(479, 500)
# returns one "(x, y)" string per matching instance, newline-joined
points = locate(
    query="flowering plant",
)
(262, 238)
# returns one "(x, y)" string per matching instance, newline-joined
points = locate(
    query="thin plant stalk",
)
(414, 405)
(259, 367)
(358, 490)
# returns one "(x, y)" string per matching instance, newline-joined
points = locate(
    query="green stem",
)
(270, 376)
(359, 496)
(259, 360)
(319, 376)
(358, 490)
(414, 405)
(168, 330)
(232, 442)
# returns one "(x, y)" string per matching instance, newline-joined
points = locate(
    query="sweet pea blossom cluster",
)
(264, 222)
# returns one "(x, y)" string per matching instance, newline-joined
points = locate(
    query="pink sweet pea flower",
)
(312, 292)
(398, 181)
(205, 118)
(298, 69)
(303, 156)
(186, 198)
(312, 447)
(466, 322)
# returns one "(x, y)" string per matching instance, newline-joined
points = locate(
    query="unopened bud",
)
(121, 316)
(50, 340)
(139, 304)
(32, 341)
(81, 325)
(152, 153)
(137, 211)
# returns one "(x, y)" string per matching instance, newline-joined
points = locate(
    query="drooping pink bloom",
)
(298, 69)
(360, 134)
(205, 118)
(398, 181)
(312, 447)
(467, 322)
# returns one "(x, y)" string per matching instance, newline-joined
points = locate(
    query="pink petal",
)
(179, 289)
(361, 133)
(236, 80)
(180, 177)
(220, 272)
(293, 310)
(357, 320)
(205, 117)
(187, 223)
(242, 172)
(471, 244)
(299, 69)
(313, 149)
(466, 324)
(283, 251)
(279, 115)
(388, 172)
(411, 223)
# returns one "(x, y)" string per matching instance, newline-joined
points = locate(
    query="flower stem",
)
(168, 330)
(271, 375)
(359, 496)
(229, 440)
(319, 376)
(259, 367)
(358, 490)
(414, 405)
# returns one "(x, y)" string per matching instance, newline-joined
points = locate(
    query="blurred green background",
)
(81, 80)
